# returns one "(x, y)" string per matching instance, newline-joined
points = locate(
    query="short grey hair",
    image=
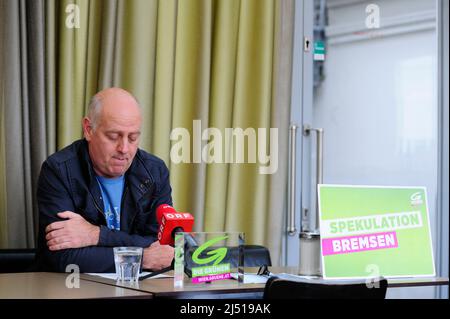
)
(95, 107)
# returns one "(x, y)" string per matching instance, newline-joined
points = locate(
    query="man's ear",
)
(87, 128)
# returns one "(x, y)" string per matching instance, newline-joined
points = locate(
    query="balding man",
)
(102, 192)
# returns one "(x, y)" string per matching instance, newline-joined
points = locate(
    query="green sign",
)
(216, 271)
(369, 231)
(207, 257)
(319, 47)
(319, 51)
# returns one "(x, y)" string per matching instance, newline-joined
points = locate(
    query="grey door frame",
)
(301, 113)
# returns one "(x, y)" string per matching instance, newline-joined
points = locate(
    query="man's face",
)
(114, 142)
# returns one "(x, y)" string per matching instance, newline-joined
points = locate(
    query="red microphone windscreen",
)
(174, 221)
(163, 208)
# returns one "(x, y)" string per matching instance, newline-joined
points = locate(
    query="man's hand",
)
(75, 232)
(157, 256)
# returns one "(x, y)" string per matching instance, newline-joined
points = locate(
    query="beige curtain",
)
(226, 63)
(23, 112)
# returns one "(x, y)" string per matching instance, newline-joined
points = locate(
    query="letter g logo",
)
(416, 199)
(217, 254)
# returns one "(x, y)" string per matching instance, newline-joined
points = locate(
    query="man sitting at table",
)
(102, 192)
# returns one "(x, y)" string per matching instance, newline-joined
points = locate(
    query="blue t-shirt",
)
(112, 189)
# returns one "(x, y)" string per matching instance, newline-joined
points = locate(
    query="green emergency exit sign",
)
(319, 51)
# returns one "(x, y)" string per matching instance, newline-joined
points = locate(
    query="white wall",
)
(378, 103)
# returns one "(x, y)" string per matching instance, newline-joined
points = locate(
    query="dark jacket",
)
(67, 182)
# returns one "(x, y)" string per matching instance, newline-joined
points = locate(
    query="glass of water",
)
(128, 263)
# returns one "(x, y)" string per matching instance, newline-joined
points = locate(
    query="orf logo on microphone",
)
(177, 215)
(170, 216)
(172, 222)
(161, 228)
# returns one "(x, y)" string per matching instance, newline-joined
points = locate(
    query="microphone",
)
(170, 222)
(163, 208)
